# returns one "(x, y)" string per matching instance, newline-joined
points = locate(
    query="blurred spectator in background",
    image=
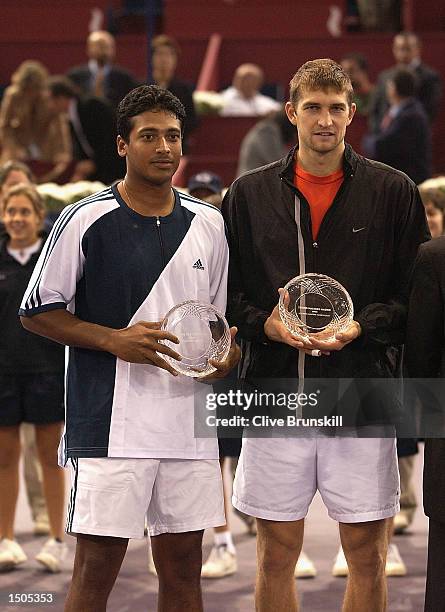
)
(100, 77)
(222, 560)
(404, 138)
(12, 173)
(266, 142)
(356, 66)
(380, 15)
(164, 58)
(243, 98)
(352, 17)
(206, 186)
(93, 131)
(31, 382)
(407, 53)
(432, 193)
(28, 130)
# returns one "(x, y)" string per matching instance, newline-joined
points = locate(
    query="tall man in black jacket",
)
(425, 358)
(322, 209)
(93, 131)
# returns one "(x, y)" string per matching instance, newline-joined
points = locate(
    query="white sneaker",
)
(151, 564)
(52, 555)
(394, 562)
(401, 523)
(304, 567)
(220, 563)
(11, 555)
(41, 527)
(340, 567)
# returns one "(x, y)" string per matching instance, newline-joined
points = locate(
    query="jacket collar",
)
(350, 160)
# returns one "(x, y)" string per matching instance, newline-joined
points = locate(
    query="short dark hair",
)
(62, 87)
(162, 40)
(146, 98)
(320, 74)
(358, 58)
(405, 82)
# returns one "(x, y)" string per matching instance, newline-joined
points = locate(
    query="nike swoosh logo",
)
(358, 230)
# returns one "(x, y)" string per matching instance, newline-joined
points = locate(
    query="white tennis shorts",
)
(358, 479)
(112, 497)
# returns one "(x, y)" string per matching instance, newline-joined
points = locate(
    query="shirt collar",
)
(94, 67)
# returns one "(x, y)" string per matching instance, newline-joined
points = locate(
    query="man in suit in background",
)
(407, 53)
(93, 131)
(403, 140)
(425, 358)
(100, 77)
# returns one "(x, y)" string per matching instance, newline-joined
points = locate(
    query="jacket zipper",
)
(158, 225)
(315, 243)
(339, 193)
(315, 248)
(315, 255)
(300, 197)
(315, 252)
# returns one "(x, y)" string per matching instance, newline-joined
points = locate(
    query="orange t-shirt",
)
(319, 191)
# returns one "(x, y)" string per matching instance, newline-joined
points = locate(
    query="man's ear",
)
(352, 110)
(291, 113)
(121, 146)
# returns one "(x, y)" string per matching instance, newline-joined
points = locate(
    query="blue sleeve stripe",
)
(44, 308)
(46, 250)
(34, 299)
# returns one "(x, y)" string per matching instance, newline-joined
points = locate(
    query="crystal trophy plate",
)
(203, 334)
(315, 306)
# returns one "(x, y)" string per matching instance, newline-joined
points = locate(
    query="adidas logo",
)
(198, 265)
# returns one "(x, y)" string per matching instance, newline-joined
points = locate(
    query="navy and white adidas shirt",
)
(111, 266)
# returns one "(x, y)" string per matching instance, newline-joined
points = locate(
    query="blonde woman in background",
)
(12, 173)
(28, 131)
(432, 193)
(31, 382)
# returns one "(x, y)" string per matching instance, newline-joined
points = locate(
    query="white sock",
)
(224, 538)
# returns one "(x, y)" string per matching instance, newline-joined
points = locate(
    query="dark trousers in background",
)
(435, 583)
